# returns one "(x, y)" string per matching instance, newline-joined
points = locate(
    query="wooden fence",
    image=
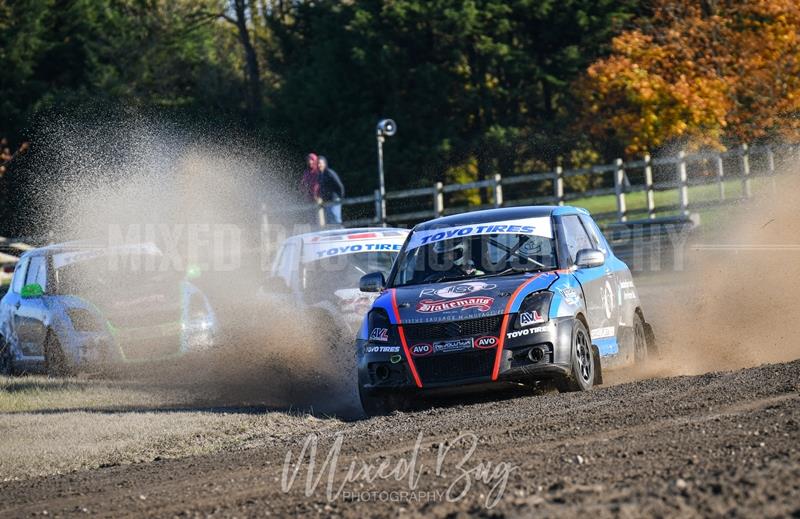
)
(644, 189)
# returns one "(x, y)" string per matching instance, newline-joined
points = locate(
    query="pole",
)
(498, 190)
(771, 166)
(558, 185)
(619, 191)
(683, 184)
(382, 185)
(746, 191)
(648, 185)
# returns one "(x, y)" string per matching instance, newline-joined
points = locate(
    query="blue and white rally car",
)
(520, 295)
(77, 305)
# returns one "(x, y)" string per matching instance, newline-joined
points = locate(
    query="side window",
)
(286, 261)
(35, 271)
(41, 276)
(594, 234)
(276, 263)
(18, 280)
(575, 235)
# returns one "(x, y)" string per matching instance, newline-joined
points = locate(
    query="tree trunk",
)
(547, 98)
(251, 61)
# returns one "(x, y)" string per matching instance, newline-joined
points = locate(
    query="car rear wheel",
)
(55, 361)
(640, 352)
(582, 373)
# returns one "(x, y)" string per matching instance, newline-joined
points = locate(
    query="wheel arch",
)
(582, 318)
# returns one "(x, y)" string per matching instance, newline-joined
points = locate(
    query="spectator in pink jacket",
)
(309, 185)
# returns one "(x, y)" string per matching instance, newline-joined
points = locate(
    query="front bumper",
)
(527, 355)
(144, 345)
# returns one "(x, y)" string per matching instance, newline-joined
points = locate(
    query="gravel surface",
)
(710, 445)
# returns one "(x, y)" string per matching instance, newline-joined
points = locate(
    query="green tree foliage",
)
(477, 86)
(142, 53)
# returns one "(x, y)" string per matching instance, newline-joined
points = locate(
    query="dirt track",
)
(724, 443)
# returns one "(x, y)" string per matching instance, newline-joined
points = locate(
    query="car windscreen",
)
(125, 274)
(323, 277)
(475, 256)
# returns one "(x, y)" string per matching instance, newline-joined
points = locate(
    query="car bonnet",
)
(467, 299)
(319, 247)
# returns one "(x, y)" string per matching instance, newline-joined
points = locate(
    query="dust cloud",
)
(200, 198)
(736, 306)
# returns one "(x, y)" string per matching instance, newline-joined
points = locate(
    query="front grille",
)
(457, 366)
(144, 316)
(452, 329)
(151, 349)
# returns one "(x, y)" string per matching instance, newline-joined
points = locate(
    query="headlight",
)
(534, 310)
(197, 308)
(199, 333)
(198, 325)
(198, 317)
(379, 328)
(85, 321)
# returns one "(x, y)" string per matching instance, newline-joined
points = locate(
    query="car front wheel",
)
(56, 363)
(582, 372)
(6, 361)
(380, 403)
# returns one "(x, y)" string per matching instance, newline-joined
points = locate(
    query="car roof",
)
(354, 233)
(499, 214)
(76, 246)
(59, 247)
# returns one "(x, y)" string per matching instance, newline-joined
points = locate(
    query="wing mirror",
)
(372, 282)
(588, 258)
(31, 291)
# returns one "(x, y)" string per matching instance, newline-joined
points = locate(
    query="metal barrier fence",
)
(634, 186)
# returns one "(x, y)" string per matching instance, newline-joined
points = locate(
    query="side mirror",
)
(31, 291)
(588, 258)
(276, 285)
(372, 282)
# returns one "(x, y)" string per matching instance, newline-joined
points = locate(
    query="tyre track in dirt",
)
(714, 444)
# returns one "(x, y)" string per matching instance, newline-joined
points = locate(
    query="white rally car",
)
(320, 271)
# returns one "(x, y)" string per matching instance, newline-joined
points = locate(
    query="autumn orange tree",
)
(702, 73)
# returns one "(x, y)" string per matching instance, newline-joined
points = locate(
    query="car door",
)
(12, 300)
(30, 317)
(617, 272)
(598, 285)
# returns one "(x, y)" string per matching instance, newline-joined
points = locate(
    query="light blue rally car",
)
(518, 295)
(77, 305)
